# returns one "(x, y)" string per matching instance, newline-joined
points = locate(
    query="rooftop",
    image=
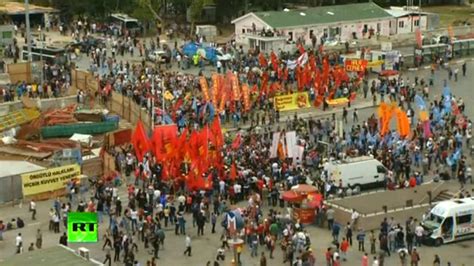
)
(10, 168)
(322, 15)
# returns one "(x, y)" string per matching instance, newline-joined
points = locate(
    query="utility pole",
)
(28, 30)
(153, 102)
(163, 100)
(41, 58)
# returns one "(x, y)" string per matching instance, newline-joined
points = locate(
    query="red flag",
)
(157, 145)
(262, 60)
(203, 140)
(301, 48)
(274, 60)
(233, 172)
(254, 89)
(237, 141)
(312, 62)
(217, 133)
(140, 141)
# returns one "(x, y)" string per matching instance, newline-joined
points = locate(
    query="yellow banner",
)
(292, 101)
(375, 63)
(49, 180)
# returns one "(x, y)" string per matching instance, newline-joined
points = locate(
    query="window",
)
(417, 23)
(243, 30)
(7, 35)
(401, 24)
(381, 169)
(463, 219)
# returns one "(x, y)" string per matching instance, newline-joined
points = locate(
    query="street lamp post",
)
(28, 30)
(163, 100)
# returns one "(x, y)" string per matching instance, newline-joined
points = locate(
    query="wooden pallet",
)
(17, 118)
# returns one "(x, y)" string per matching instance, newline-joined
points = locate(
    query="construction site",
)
(49, 133)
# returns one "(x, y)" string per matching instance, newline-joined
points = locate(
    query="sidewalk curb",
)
(457, 62)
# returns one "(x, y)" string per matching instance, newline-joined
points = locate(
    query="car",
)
(221, 56)
(157, 56)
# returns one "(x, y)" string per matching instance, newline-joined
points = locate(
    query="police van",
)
(449, 221)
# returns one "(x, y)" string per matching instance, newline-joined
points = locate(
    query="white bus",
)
(126, 22)
(449, 221)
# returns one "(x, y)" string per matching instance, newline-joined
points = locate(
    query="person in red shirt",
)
(412, 181)
(328, 255)
(344, 248)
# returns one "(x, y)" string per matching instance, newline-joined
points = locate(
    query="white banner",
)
(274, 148)
(291, 144)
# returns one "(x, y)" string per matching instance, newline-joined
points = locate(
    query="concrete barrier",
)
(43, 104)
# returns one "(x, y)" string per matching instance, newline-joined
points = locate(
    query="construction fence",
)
(129, 110)
(26, 71)
(84, 80)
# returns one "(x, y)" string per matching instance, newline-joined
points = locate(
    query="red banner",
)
(355, 65)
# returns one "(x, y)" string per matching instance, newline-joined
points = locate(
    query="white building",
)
(407, 21)
(340, 22)
(331, 23)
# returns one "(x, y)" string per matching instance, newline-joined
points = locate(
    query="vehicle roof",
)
(446, 207)
(354, 160)
(123, 17)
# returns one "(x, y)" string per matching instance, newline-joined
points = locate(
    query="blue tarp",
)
(191, 48)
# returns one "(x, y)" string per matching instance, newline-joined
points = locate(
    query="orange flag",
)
(204, 88)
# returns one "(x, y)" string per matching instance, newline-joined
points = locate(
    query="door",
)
(447, 229)
(380, 173)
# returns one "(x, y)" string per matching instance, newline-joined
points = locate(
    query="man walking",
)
(188, 246)
(39, 239)
(19, 243)
(355, 116)
(344, 114)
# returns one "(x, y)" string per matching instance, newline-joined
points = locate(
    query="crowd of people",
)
(154, 204)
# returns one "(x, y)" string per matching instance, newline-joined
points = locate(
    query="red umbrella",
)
(291, 196)
(304, 189)
(314, 200)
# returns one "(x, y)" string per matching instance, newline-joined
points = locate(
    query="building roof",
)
(321, 15)
(57, 255)
(14, 8)
(398, 13)
(10, 168)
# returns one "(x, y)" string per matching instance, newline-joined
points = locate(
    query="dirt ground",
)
(452, 14)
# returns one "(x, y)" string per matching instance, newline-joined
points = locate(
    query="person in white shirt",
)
(19, 243)
(419, 230)
(188, 246)
(33, 209)
(156, 195)
(375, 262)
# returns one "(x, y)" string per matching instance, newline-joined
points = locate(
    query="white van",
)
(449, 221)
(358, 173)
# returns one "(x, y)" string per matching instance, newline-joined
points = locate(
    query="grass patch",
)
(452, 14)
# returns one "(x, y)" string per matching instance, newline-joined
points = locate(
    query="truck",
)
(357, 173)
(449, 221)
